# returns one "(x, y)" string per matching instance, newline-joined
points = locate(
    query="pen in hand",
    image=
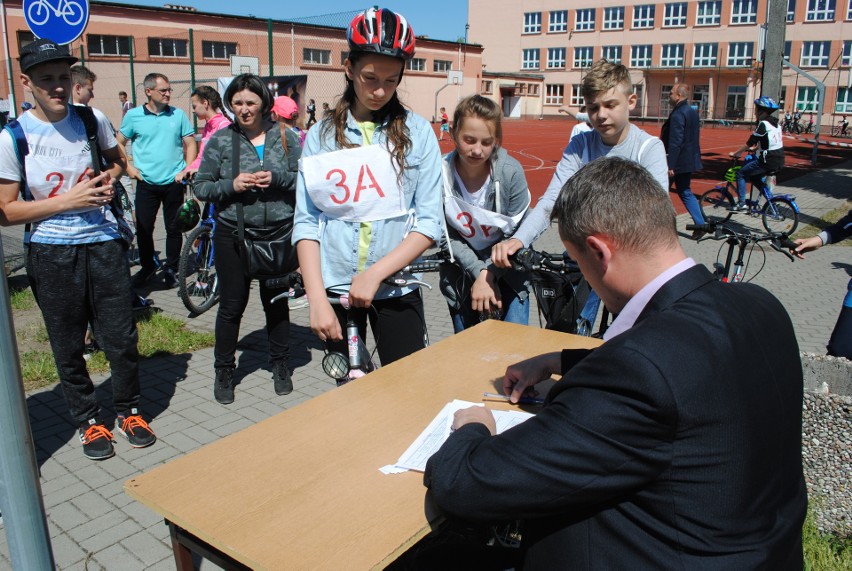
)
(523, 400)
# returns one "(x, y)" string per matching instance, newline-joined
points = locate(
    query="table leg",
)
(182, 553)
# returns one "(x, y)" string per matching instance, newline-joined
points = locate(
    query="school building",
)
(536, 53)
(122, 43)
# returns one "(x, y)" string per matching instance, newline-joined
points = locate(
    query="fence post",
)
(192, 75)
(269, 41)
(132, 76)
(20, 491)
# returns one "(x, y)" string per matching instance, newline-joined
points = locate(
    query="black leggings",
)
(234, 286)
(398, 324)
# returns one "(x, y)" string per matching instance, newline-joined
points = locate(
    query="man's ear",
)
(631, 101)
(601, 249)
(26, 82)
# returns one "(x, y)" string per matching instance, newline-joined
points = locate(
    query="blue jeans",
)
(590, 310)
(749, 173)
(515, 310)
(682, 182)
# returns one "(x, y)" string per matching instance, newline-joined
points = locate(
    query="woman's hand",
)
(324, 321)
(363, 289)
(485, 295)
(244, 182)
(263, 179)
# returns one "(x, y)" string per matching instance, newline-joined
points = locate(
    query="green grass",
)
(21, 299)
(158, 335)
(822, 223)
(825, 552)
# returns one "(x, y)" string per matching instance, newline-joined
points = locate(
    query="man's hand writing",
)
(473, 414)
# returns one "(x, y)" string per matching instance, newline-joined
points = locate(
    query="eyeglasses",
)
(165, 91)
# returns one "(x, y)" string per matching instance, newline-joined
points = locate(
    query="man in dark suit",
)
(674, 445)
(680, 137)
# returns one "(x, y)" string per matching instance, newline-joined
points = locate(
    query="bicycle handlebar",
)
(779, 241)
(529, 260)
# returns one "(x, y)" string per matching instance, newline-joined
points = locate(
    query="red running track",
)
(538, 146)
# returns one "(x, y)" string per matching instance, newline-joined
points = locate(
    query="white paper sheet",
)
(431, 439)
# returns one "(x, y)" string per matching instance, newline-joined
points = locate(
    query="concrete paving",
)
(94, 525)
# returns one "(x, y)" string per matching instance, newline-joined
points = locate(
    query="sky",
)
(438, 19)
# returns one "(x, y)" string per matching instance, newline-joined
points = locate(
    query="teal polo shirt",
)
(157, 141)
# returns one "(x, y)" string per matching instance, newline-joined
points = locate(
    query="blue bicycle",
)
(779, 213)
(198, 284)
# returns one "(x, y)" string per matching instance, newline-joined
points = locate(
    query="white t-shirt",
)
(478, 196)
(58, 158)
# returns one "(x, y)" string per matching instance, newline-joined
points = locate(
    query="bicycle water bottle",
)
(352, 337)
(738, 273)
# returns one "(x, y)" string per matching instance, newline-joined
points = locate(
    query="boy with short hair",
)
(445, 124)
(76, 263)
(609, 98)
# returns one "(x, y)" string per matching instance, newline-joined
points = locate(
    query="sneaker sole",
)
(90, 457)
(224, 401)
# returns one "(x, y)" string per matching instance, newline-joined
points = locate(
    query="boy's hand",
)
(93, 191)
(501, 251)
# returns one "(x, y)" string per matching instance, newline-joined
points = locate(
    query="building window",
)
(815, 54)
(788, 47)
(108, 45)
(520, 88)
(416, 64)
(735, 102)
(846, 59)
(531, 59)
(849, 11)
(740, 54)
(532, 23)
(672, 55)
(167, 47)
(312, 56)
(820, 11)
(613, 18)
(25, 38)
(487, 86)
(709, 14)
(705, 55)
(807, 99)
(555, 58)
(584, 56)
(576, 96)
(643, 16)
(221, 50)
(744, 12)
(675, 15)
(640, 56)
(639, 91)
(442, 66)
(558, 21)
(554, 94)
(532, 90)
(585, 21)
(611, 53)
(844, 100)
(791, 11)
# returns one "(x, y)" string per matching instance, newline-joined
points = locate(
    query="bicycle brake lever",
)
(402, 279)
(778, 247)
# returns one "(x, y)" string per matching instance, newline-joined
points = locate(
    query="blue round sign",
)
(62, 21)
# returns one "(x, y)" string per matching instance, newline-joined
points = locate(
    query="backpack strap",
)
(91, 123)
(22, 149)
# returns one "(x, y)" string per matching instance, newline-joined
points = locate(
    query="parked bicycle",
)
(779, 213)
(198, 284)
(841, 129)
(739, 240)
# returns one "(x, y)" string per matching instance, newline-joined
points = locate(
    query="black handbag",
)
(265, 252)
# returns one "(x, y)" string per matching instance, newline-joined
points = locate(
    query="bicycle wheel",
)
(198, 284)
(39, 13)
(716, 205)
(780, 216)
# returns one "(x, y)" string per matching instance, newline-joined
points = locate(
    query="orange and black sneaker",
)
(97, 440)
(137, 432)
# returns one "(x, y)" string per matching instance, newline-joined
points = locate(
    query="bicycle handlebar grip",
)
(703, 227)
(787, 243)
(425, 266)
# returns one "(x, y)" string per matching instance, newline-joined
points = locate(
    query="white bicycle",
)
(70, 11)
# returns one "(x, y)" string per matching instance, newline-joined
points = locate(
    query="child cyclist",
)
(372, 149)
(767, 141)
(485, 198)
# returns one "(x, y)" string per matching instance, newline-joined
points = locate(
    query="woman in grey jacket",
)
(265, 186)
(485, 198)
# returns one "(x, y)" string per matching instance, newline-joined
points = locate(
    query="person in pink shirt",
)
(207, 105)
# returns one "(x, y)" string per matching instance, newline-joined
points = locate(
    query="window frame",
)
(553, 58)
(843, 105)
(613, 18)
(807, 56)
(791, 11)
(118, 45)
(584, 20)
(554, 26)
(585, 60)
(486, 86)
(739, 17)
(174, 41)
(846, 53)
(323, 55)
(647, 59)
(646, 17)
(672, 20)
(527, 63)
(554, 94)
(702, 59)
(217, 43)
(416, 64)
(715, 17)
(816, 14)
(732, 58)
(532, 23)
(605, 53)
(439, 67)
(576, 96)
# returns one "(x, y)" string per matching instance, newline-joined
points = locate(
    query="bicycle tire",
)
(783, 219)
(198, 283)
(72, 13)
(716, 205)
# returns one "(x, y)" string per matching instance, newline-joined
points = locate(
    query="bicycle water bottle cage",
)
(731, 174)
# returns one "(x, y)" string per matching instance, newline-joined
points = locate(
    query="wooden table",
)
(302, 490)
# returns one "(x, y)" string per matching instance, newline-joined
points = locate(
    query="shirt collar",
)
(631, 312)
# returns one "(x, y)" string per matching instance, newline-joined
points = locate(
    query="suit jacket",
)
(680, 137)
(675, 445)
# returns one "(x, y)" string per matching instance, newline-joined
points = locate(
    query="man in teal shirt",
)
(163, 144)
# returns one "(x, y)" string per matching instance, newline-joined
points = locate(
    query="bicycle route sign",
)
(62, 21)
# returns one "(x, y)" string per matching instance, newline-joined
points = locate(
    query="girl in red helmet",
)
(369, 195)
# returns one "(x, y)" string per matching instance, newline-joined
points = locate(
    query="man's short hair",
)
(619, 198)
(603, 76)
(80, 74)
(682, 90)
(123, 93)
(151, 80)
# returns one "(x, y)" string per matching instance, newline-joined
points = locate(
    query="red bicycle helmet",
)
(378, 30)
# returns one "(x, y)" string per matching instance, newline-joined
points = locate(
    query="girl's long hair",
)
(399, 141)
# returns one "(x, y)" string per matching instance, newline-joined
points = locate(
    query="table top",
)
(302, 489)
